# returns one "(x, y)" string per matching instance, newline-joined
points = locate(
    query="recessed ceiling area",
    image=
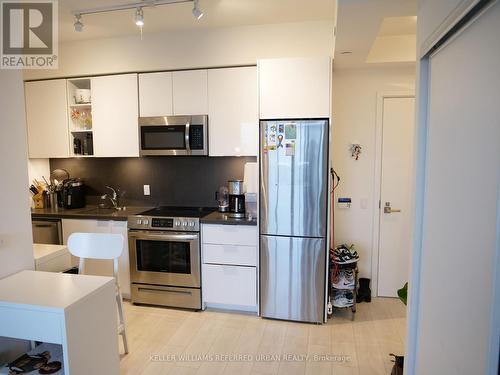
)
(375, 32)
(396, 41)
(217, 14)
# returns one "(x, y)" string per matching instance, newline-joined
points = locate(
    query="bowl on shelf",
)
(82, 96)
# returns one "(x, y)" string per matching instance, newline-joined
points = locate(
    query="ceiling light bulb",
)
(78, 25)
(139, 17)
(197, 13)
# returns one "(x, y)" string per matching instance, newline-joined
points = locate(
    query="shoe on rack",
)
(364, 291)
(345, 279)
(342, 299)
(344, 254)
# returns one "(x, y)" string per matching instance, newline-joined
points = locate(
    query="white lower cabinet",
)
(229, 270)
(230, 285)
(102, 267)
(230, 254)
(245, 235)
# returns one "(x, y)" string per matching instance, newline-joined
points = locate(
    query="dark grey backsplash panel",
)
(186, 181)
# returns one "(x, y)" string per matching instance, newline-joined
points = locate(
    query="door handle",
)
(389, 210)
(151, 290)
(187, 140)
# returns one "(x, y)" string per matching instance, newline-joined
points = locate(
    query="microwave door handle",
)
(186, 136)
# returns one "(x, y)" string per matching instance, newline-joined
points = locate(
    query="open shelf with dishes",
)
(80, 116)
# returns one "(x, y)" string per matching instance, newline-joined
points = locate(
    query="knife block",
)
(39, 200)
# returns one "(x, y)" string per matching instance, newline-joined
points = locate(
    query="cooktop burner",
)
(173, 211)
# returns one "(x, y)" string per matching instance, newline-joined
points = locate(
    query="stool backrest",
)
(96, 246)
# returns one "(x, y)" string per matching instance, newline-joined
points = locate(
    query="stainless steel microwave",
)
(173, 135)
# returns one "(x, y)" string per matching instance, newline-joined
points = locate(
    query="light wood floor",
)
(162, 341)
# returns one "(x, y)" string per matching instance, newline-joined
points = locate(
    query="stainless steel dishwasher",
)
(47, 231)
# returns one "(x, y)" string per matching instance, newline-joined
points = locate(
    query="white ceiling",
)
(391, 26)
(218, 13)
(360, 22)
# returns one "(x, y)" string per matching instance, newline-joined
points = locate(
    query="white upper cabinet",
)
(294, 88)
(114, 116)
(155, 94)
(233, 112)
(47, 119)
(190, 92)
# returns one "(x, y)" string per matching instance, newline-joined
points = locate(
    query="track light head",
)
(197, 13)
(139, 17)
(78, 25)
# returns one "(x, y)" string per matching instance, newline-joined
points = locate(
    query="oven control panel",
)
(162, 223)
(184, 224)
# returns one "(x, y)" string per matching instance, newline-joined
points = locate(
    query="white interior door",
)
(395, 204)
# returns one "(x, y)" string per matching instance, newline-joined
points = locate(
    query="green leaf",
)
(403, 293)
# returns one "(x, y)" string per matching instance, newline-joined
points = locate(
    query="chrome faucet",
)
(114, 197)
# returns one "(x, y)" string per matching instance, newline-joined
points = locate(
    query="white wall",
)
(354, 118)
(192, 49)
(16, 249)
(38, 168)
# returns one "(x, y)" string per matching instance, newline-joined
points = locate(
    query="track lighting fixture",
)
(139, 17)
(197, 13)
(138, 6)
(78, 25)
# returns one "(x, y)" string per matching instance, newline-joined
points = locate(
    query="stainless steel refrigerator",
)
(293, 218)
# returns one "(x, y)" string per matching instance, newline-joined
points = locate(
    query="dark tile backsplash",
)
(182, 181)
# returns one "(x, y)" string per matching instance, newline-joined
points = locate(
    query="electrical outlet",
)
(147, 191)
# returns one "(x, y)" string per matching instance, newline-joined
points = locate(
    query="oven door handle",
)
(150, 236)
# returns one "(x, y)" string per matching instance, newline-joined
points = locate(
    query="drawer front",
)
(230, 234)
(189, 298)
(32, 325)
(230, 254)
(229, 285)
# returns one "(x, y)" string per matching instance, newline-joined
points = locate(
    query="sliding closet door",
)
(460, 223)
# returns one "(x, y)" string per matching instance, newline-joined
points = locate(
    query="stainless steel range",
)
(164, 246)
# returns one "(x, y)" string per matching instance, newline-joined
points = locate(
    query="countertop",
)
(93, 212)
(222, 218)
(49, 290)
(44, 252)
(89, 212)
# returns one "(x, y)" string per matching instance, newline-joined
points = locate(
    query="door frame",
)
(379, 125)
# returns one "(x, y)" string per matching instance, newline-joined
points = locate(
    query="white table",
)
(76, 311)
(51, 258)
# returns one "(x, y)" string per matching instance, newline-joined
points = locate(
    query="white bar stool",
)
(106, 247)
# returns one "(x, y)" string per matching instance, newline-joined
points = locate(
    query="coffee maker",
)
(236, 199)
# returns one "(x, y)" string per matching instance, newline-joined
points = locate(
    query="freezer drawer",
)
(292, 278)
